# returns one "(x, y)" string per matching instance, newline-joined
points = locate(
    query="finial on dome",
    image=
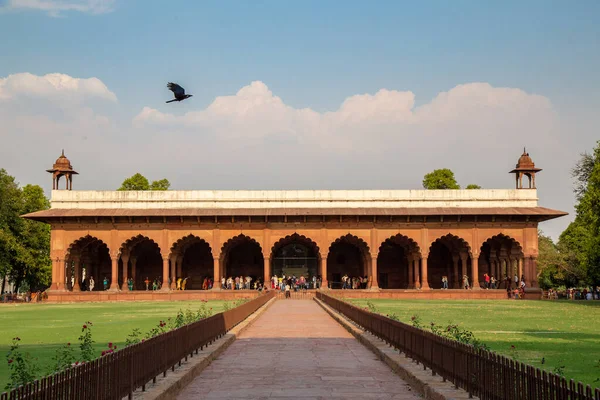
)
(63, 152)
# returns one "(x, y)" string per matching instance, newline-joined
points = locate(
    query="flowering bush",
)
(63, 358)
(23, 368)
(134, 337)
(86, 342)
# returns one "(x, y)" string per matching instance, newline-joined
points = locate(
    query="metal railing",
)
(481, 373)
(119, 374)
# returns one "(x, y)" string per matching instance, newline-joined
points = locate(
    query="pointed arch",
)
(295, 254)
(144, 262)
(349, 256)
(87, 262)
(501, 257)
(133, 241)
(243, 256)
(395, 262)
(450, 256)
(192, 258)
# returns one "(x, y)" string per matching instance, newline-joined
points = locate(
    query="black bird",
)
(178, 92)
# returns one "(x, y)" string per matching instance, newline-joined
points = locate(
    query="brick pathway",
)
(296, 351)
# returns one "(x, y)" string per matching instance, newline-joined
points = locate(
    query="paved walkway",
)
(295, 350)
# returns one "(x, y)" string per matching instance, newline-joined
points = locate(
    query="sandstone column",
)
(114, 282)
(456, 277)
(475, 271)
(217, 272)
(173, 272)
(165, 275)
(424, 281)
(417, 277)
(77, 274)
(125, 262)
(374, 282)
(520, 268)
(133, 270)
(323, 269)
(463, 259)
(267, 270)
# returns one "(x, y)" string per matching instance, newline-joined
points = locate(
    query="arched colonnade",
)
(398, 262)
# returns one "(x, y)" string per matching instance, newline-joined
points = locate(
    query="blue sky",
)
(315, 55)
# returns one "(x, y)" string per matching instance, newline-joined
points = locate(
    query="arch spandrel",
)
(180, 245)
(282, 240)
(500, 242)
(129, 244)
(452, 241)
(79, 245)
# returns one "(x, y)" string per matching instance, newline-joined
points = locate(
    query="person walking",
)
(465, 282)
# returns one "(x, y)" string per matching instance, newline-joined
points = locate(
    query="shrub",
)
(23, 368)
(86, 342)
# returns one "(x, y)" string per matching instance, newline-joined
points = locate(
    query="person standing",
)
(147, 282)
(105, 283)
(92, 283)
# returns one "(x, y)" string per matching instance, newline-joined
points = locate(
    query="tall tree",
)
(24, 244)
(440, 179)
(140, 182)
(473, 186)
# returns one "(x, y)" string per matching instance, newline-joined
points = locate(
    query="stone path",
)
(297, 351)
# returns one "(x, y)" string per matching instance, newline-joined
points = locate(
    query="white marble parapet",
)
(274, 199)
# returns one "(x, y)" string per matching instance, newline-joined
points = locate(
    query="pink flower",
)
(68, 344)
(110, 345)
(103, 352)
(76, 362)
(10, 361)
(84, 326)
(115, 347)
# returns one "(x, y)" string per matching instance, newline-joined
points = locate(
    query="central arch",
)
(449, 256)
(295, 255)
(193, 260)
(88, 265)
(144, 264)
(348, 256)
(242, 256)
(394, 262)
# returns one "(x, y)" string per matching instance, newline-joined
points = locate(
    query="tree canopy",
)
(440, 179)
(473, 186)
(577, 258)
(24, 244)
(140, 182)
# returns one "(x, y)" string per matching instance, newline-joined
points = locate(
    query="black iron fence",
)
(482, 373)
(119, 374)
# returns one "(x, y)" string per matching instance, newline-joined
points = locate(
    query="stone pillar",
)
(457, 278)
(133, 270)
(475, 271)
(417, 276)
(520, 268)
(114, 282)
(267, 270)
(180, 267)
(533, 271)
(173, 285)
(77, 274)
(217, 272)
(374, 280)
(323, 269)
(463, 259)
(165, 275)
(125, 262)
(424, 279)
(411, 270)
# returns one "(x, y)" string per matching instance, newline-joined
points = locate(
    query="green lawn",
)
(45, 327)
(565, 333)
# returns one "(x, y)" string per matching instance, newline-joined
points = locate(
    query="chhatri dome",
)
(62, 167)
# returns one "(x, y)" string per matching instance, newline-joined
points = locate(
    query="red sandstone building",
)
(399, 239)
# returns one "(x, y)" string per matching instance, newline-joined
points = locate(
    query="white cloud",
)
(56, 7)
(252, 139)
(51, 86)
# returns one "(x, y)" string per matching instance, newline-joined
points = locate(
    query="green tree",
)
(473, 186)
(579, 244)
(24, 244)
(440, 179)
(162, 184)
(140, 182)
(135, 182)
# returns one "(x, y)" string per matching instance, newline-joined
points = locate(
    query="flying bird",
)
(178, 92)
